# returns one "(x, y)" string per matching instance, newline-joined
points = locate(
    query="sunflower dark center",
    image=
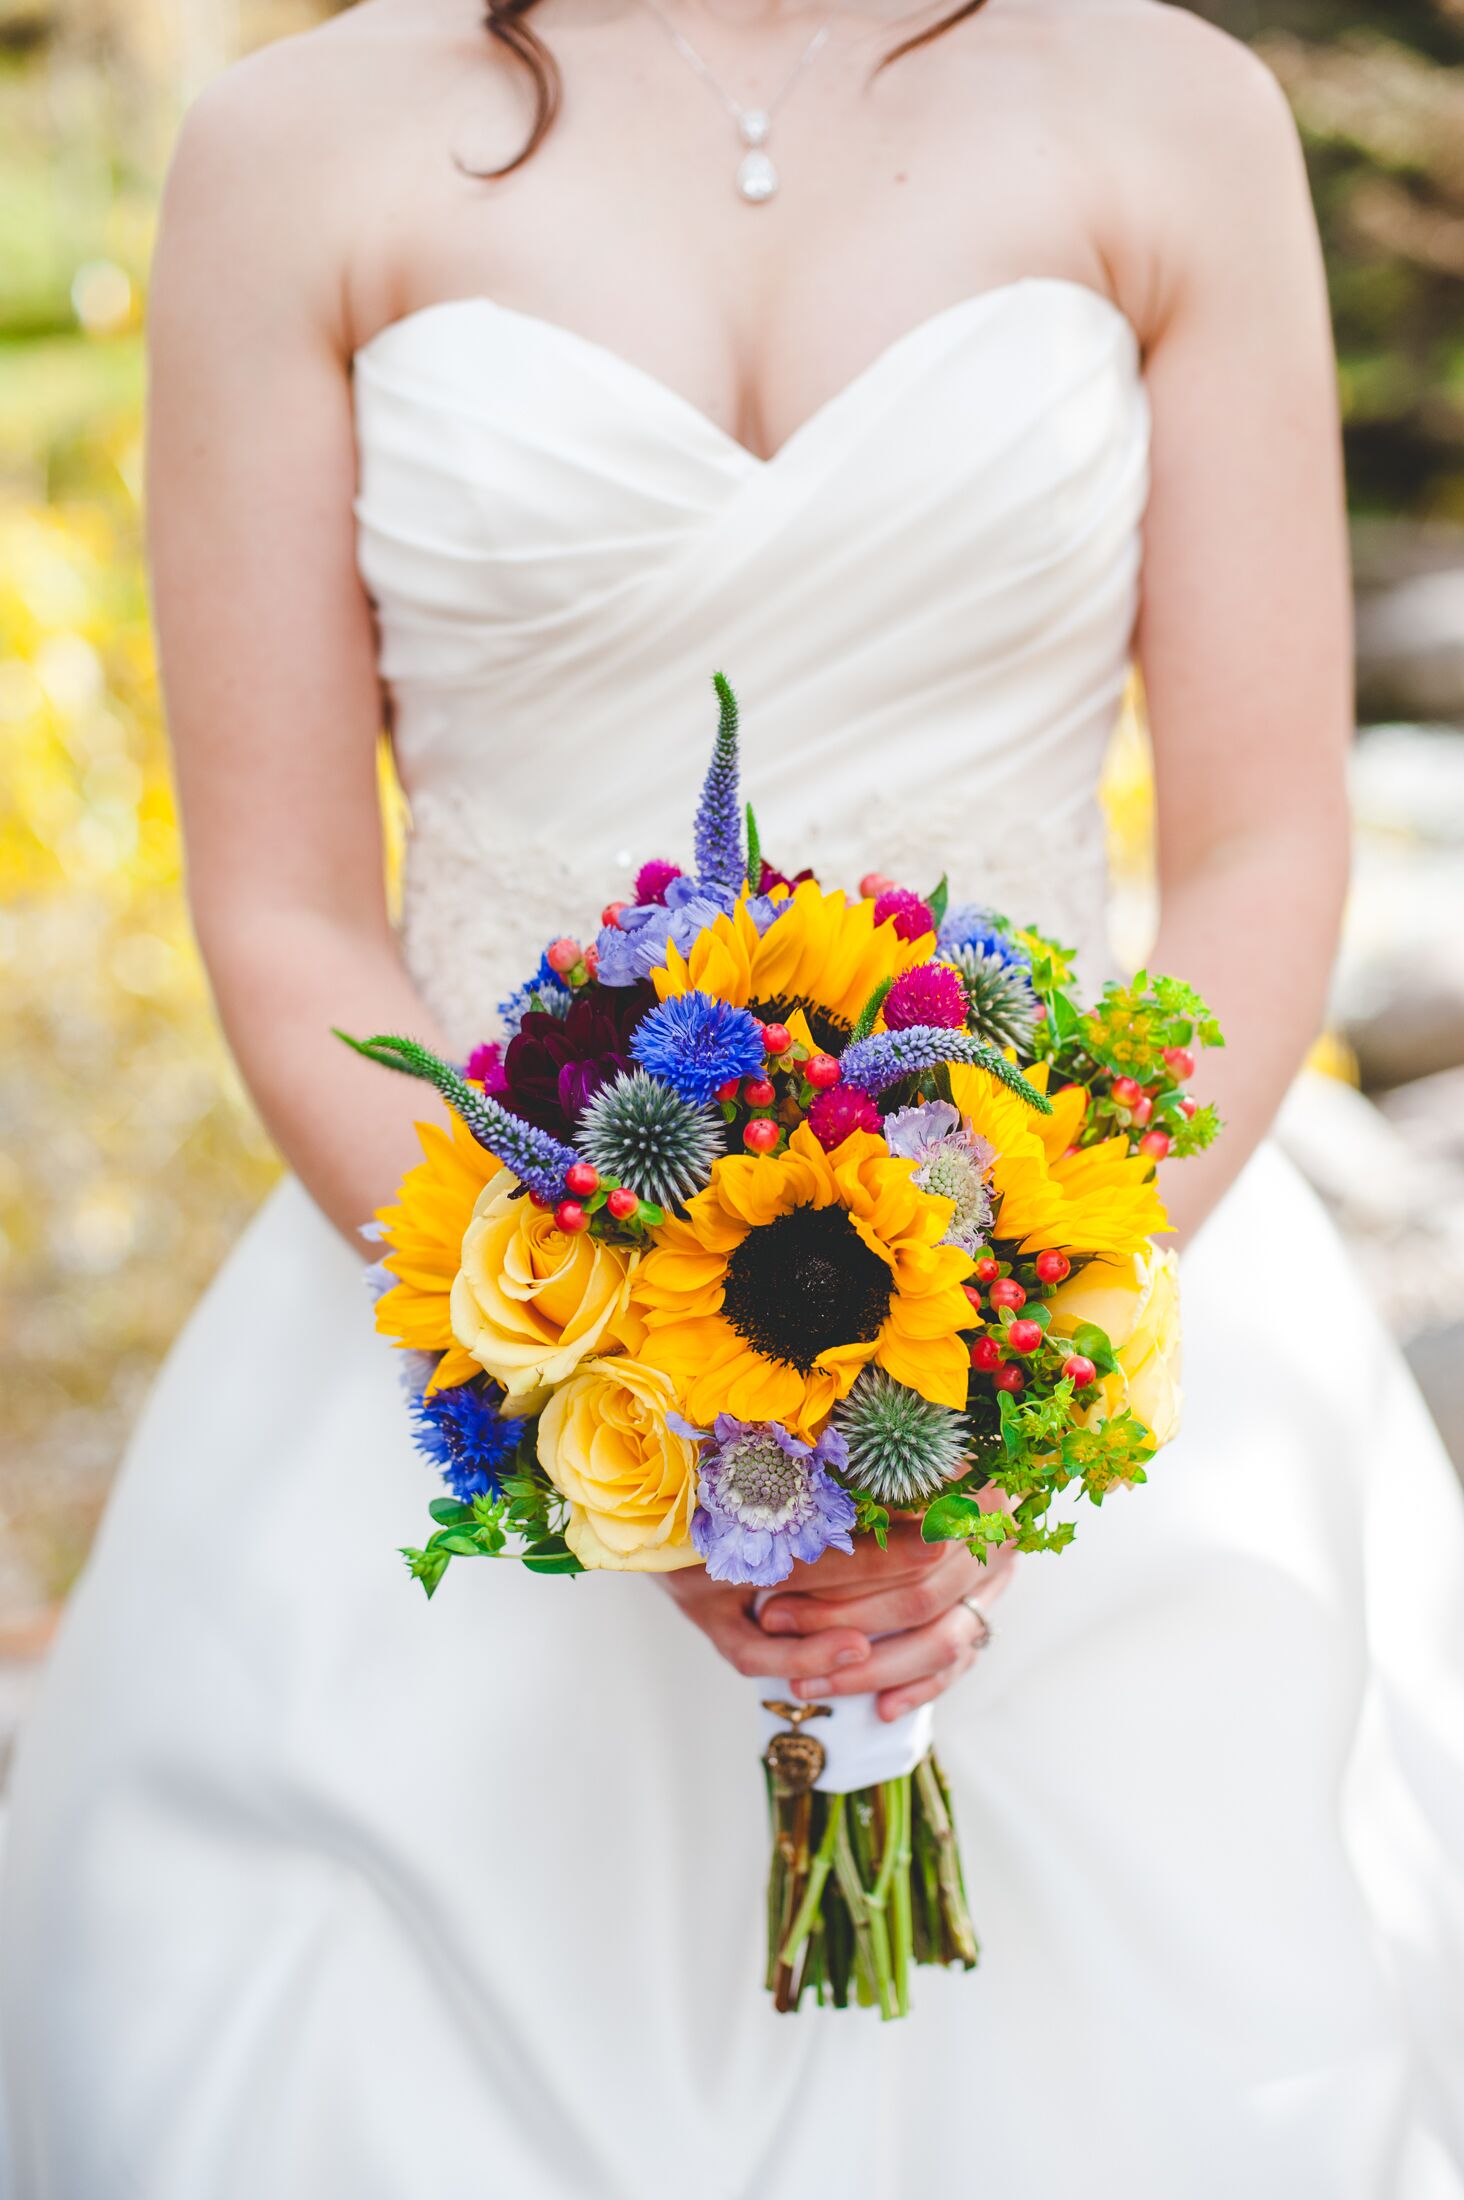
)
(804, 1283)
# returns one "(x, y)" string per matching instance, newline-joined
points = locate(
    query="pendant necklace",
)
(757, 177)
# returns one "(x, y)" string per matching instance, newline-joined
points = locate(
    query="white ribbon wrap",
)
(861, 1748)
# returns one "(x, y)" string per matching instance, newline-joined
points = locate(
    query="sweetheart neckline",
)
(730, 444)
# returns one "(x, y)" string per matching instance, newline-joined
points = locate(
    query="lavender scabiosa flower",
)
(953, 1163)
(766, 1499)
(636, 944)
(717, 843)
(695, 1044)
(466, 1437)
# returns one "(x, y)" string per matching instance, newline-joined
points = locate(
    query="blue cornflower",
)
(767, 1499)
(695, 1044)
(464, 1435)
(970, 925)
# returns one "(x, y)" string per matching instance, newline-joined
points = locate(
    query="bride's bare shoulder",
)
(281, 161)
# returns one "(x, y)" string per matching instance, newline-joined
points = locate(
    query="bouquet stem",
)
(862, 1887)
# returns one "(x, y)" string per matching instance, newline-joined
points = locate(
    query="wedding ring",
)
(984, 1626)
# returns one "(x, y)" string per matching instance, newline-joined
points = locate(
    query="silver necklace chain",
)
(757, 177)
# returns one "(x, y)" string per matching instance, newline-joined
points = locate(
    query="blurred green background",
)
(128, 1155)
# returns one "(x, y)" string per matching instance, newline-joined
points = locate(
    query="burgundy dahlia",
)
(835, 1114)
(768, 878)
(555, 1065)
(931, 993)
(913, 918)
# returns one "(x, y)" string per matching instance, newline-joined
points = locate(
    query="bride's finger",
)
(915, 1656)
(909, 1602)
(788, 1658)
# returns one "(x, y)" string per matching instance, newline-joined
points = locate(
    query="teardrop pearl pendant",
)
(757, 177)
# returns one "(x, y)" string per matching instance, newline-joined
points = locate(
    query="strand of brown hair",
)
(507, 22)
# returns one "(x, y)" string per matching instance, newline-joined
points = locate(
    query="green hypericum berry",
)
(902, 1448)
(644, 1135)
(1000, 1004)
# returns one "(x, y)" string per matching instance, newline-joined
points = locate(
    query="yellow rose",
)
(1137, 1302)
(605, 1444)
(530, 1301)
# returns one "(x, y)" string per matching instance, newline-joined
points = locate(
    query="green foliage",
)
(524, 1521)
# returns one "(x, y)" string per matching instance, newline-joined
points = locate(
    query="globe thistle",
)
(695, 1044)
(1000, 1003)
(644, 1135)
(931, 993)
(835, 1114)
(911, 917)
(968, 924)
(954, 1164)
(902, 1448)
(463, 1433)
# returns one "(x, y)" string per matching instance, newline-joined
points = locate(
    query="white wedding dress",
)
(316, 1892)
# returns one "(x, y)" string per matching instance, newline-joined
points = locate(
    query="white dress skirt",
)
(313, 1890)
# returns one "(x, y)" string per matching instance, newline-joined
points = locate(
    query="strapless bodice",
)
(925, 600)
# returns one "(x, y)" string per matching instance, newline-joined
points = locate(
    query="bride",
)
(911, 391)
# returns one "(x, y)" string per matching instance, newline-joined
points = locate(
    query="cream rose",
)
(630, 1480)
(530, 1301)
(1136, 1301)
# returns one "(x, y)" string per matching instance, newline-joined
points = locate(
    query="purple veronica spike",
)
(875, 1064)
(767, 1499)
(721, 867)
(536, 1158)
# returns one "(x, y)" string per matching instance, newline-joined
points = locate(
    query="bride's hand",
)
(817, 1633)
(912, 1594)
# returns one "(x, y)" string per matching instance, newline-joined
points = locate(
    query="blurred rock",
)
(1437, 1360)
(1399, 995)
(1410, 620)
(1429, 1114)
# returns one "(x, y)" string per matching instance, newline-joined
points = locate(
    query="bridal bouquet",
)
(777, 1212)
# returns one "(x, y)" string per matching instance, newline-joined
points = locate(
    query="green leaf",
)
(939, 901)
(1092, 1342)
(551, 1555)
(457, 1542)
(649, 1215)
(448, 1513)
(754, 852)
(950, 1519)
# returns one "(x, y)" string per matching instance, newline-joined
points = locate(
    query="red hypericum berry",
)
(776, 1039)
(987, 1269)
(1180, 1063)
(653, 878)
(973, 1295)
(1053, 1267)
(873, 884)
(1189, 1108)
(1126, 1090)
(1143, 1108)
(761, 1134)
(912, 918)
(822, 1071)
(985, 1355)
(1155, 1144)
(1024, 1336)
(610, 914)
(1079, 1370)
(537, 1199)
(1010, 1377)
(592, 961)
(835, 1114)
(758, 1093)
(1006, 1291)
(730, 1090)
(563, 954)
(931, 993)
(622, 1203)
(571, 1217)
(582, 1179)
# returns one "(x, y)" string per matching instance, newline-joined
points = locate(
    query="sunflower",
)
(824, 953)
(425, 1230)
(791, 1272)
(1094, 1199)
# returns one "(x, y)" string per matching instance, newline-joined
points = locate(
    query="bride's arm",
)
(1245, 637)
(267, 651)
